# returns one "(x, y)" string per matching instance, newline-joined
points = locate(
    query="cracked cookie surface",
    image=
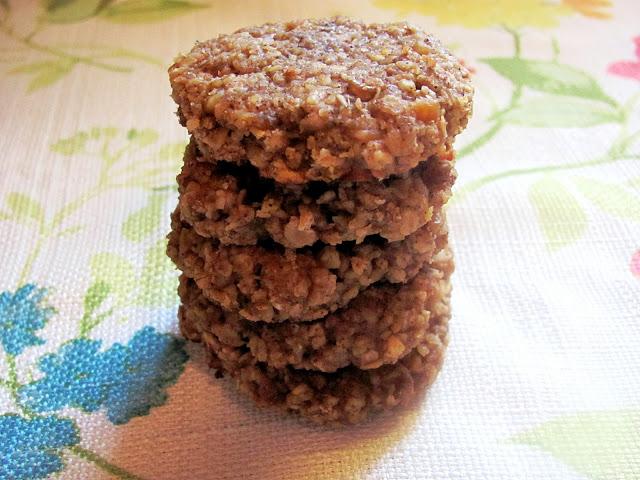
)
(323, 99)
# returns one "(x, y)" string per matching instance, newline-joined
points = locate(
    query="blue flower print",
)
(21, 314)
(143, 370)
(30, 448)
(74, 376)
(126, 379)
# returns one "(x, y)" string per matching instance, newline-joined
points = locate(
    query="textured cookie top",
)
(323, 99)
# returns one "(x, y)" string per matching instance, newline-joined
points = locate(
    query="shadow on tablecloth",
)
(207, 430)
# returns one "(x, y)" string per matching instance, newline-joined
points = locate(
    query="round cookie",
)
(323, 99)
(234, 205)
(380, 326)
(348, 395)
(273, 284)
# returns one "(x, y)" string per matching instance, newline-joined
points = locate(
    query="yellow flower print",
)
(590, 8)
(508, 13)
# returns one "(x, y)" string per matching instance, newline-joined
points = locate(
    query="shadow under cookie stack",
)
(310, 229)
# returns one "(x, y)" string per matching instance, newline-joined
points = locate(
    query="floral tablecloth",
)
(542, 378)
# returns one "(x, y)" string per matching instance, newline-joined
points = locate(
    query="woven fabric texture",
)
(542, 376)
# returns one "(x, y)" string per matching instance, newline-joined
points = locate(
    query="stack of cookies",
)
(310, 229)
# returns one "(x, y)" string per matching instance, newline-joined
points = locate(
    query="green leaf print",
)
(142, 223)
(142, 138)
(117, 272)
(44, 73)
(601, 445)
(144, 11)
(69, 231)
(34, 67)
(550, 77)
(558, 111)
(24, 208)
(56, 60)
(49, 76)
(561, 217)
(154, 286)
(611, 198)
(96, 294)
(72, 145)
(172, 152)
(68, 11)
(158, 281)
(155, 170)
(108, 143)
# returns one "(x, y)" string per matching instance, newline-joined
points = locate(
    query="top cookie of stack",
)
(323, 100)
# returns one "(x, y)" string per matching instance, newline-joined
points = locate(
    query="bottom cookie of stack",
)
(347, 395)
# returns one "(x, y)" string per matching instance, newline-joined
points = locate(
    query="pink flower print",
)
(629, 69)
(635, 264)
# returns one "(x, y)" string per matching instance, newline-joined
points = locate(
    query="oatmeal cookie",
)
(348, 395)
(323, 99)
(271, 284)
(235, 205)
(380, 326)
